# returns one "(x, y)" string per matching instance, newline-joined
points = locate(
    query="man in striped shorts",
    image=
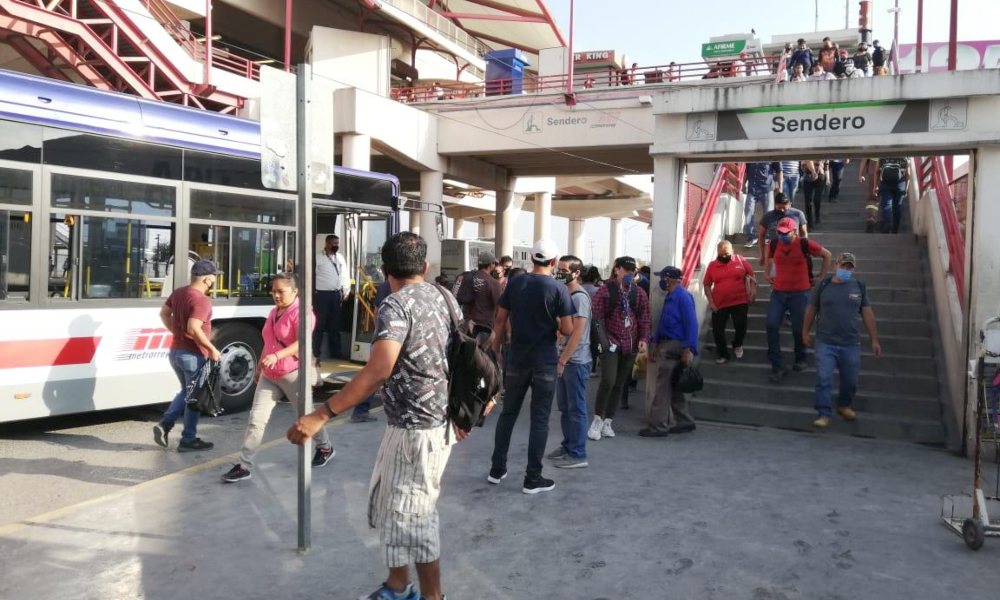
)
(409, 362)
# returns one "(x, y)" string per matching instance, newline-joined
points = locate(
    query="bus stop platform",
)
(725, 512)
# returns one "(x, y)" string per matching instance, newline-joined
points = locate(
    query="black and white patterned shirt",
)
(416, 394)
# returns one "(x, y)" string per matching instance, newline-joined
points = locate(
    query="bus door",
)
(369, 235)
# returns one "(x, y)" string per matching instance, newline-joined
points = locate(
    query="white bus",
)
(98, 192)
(459, 256)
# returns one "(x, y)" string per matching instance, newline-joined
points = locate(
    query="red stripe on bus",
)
(48, 353)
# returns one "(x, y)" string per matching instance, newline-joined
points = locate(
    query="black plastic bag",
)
(205, 393)
(687, 379)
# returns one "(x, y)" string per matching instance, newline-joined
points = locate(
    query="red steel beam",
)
(507, 9)
(288, 35)
(34, 56)
(552, 22)
(487, 17)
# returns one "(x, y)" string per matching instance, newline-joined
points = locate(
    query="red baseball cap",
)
(787, 225)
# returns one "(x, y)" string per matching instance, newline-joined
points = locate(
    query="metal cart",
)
(969, 516)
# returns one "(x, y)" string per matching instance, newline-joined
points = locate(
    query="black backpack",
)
(598, 335)
(804, 244)
(614, 298)
(891, 172)
(474, 375)
(204, 394)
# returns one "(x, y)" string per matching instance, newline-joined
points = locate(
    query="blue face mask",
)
(663, 284)
(627, 280)
(844, 274)
(787, 239)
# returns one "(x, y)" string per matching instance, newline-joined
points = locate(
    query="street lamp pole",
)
(569, 79)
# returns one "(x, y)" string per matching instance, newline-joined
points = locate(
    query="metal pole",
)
(847, 14)
(920, 36)
(288, 35)
(208, 42)
(569, 82)
(816, 26)
(895, 31)
(953, 37)
(304, 240)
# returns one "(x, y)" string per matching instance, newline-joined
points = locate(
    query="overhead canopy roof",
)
(523, 24)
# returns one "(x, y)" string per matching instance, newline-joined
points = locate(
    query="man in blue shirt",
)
(761, 181)
(674, 342)
(538, 307)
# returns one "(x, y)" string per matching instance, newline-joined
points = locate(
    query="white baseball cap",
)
(544, 250)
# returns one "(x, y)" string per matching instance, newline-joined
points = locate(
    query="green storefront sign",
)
(717, 49)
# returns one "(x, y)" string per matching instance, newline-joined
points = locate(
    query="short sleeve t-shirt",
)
(770, 221)
(582, 307)
(837, 309)
(728, 282)
(535, 302)
(416, 394)
(188, 303)
(478, 296)
(791, 272)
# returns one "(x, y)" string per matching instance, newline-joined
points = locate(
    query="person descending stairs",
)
(897, 395)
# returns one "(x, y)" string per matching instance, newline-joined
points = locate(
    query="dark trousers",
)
(541, 379)
(892, 204)
(836, 176)
(667, 399)
(616, 371)
(328, 304)
(813, 190)
(719, 320)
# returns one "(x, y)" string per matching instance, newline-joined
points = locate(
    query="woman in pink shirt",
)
(726, 287)
(279, 375)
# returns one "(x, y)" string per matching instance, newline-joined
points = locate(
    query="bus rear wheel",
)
(240, 346)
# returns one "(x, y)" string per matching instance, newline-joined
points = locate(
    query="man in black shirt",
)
(480, 292)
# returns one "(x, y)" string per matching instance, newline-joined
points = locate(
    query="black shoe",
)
(194, 445)
(778, 374)
(323, 456)
(683, 428)
(161, 433)
(651, 433)
(236, 474)
(800, 365)
(363, 418)
(870, 227)
(541, 484)
(496, 474)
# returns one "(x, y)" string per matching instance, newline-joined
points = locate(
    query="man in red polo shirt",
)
(793, 278)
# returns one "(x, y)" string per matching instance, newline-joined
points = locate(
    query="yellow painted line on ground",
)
(58, 513)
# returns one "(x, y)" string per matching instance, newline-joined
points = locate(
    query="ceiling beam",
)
(507, 9)
(489, 17)
(491, 38)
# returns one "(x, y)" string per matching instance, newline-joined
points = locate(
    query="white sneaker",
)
(595, 429)
(606, 430)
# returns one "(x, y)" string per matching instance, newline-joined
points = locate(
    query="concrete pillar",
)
(357, 151)
(543, 215)
(506, 214)
(457, 225)
(577, 237)
(432, 192)
(414, 221)
(617, 240)
(487, 229)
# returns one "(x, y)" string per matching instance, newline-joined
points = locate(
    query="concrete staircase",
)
(897, 393)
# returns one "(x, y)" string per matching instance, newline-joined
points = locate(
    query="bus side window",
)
(15, 234)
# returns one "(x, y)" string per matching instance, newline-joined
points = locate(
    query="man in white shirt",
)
(333, 285)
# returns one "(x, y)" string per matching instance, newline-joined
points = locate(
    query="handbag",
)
(750, 281)
(204, 394)
(687, 379)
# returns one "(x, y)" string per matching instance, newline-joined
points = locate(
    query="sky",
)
(655, 32)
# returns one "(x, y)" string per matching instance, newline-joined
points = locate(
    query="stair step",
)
(888, 362)
(898, 310)
(802, 396)
(875, 381)
(877, 295)
(891, 344)
(887, 325)
(901, 258)
(923, 431)
(867, 240)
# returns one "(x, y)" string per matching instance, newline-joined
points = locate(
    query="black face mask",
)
(496, 274)
(334, 249)
(725, 258)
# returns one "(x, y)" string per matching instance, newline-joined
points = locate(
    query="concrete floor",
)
(723, 513)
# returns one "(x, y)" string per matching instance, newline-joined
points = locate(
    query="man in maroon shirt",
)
(623, 308)
(188, 315)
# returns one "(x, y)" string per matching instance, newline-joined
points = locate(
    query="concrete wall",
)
(351, 59)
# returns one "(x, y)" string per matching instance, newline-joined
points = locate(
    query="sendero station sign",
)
(831, 120)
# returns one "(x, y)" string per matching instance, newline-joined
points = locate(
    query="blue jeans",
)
(847, 359)
(364, 407)
(187, 366)
(571, 398)
(790, 185)
(542, 381)
(892, 202)
(780, 303)
(750, 207)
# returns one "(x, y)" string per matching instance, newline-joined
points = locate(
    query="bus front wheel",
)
(240, 346)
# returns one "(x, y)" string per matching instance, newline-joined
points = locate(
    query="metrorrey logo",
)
(533, 122)
(145, 343)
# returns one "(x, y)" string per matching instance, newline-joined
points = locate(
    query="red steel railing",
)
(603, 80)
(931, 173)
(728, 179)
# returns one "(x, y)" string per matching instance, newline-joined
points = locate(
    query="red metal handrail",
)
(728, 178)
(931, 173)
